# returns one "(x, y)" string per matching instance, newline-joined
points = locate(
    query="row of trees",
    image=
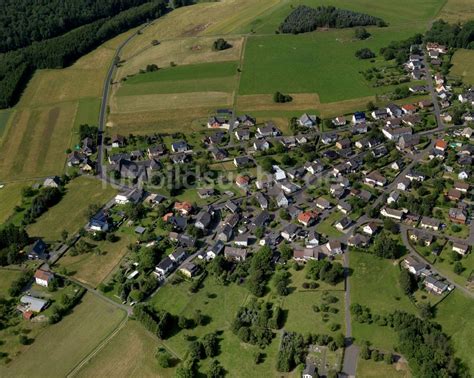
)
(158, 322)
(45, 199)
(17, 66)
(65, 305)
(306, 19)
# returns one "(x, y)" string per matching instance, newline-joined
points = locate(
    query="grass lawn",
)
(10, 196)
(67, 342)
(220, 303)
(457, 11)
(462, 65)
(374, 283)
(92, 268)
(69, 213)
(326, 227)
(321, 62)
(369, 368)
(455, 314)
(299, 304)
(7, 276)
(130, 353)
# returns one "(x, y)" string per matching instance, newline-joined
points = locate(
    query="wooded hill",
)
(306, 19)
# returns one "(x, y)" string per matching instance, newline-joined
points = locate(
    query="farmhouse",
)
(43, 277)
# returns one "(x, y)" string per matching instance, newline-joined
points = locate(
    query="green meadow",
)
(319, 62)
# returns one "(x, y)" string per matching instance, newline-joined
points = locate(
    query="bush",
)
(365, 53)
(221, 44)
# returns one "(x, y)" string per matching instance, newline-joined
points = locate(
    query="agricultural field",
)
(70, 213)
(67, 342)
(313, 62)
(457, 11)
(4, 117)
(55, 102)
(129, 353)
(374, 283)
(455, 315)
(462, 65)
(93, 267)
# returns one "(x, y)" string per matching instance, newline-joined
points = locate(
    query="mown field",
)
(455, 315)
(371, 369)
(130, 353)
(463, 65)
(70, 213)
(7, 276)
(60, 347)
(374, 283)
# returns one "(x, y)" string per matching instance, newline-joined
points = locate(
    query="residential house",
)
(262, 201)
(360, 128)
(379, 114)
(131, 196)
(463, 187)
(343, 224)
(43, 277)
(261, 220)
(290, 232)
(370, 228)
(281, 200)
(393, 197)
(323, 203)
(339, 121)
(307, 120)
(189, 270)
(375, 179)
(99, 222)
(178, 255)
(225, 233)
(334, 247)
(164, 267)
(460, 248)
(305, 254)
(394, 111)
(235, 254)
(179, 146)
(306, 218)
(261, 145)
(409, 109)
(408, 142)
(215, 250)
(156, 151)
(242, 181)
(205, 193)
(423, 237)
(203, 220)
(430, 223)
(392, 213)
(425, 104)
(358, 117)
(38, 251)
(344, 207)
(245, 120)
(52, 182)
(242, 241)
(396, 133)
(415, 176)
(309, 370)
(358, 240)
(454, 194)
(414, 266)
(288, 142)
(435, 286)
(314, 167)
(243, 161)
(117, 141)
(457, 215)
(242, 134)
(269, 130)
(183, 208)
(218, 123)
(218, 153)
(343, 144)
(441, 145)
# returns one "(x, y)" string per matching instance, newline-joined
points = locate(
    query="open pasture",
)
(457, 11)
(70, 213)
(319, 62)
(67, 342)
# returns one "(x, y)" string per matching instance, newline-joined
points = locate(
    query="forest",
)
(23, 22)
(306, 19)
(16, 67)
(452, 35)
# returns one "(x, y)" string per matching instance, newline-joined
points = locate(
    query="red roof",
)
(183, 207)
(409, 107)
(441, 144)
(242, 180)
(27, 315)
(307, 216)
(43, 275)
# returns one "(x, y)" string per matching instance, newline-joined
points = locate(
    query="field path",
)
(101, 346)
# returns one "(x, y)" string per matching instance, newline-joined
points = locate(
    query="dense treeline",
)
(455, 35)
(12, 240)
(17, 66)
(23, 22)
(19, 284)
(306, 19)
(65, 305)
(158, 322)
(292, 352)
